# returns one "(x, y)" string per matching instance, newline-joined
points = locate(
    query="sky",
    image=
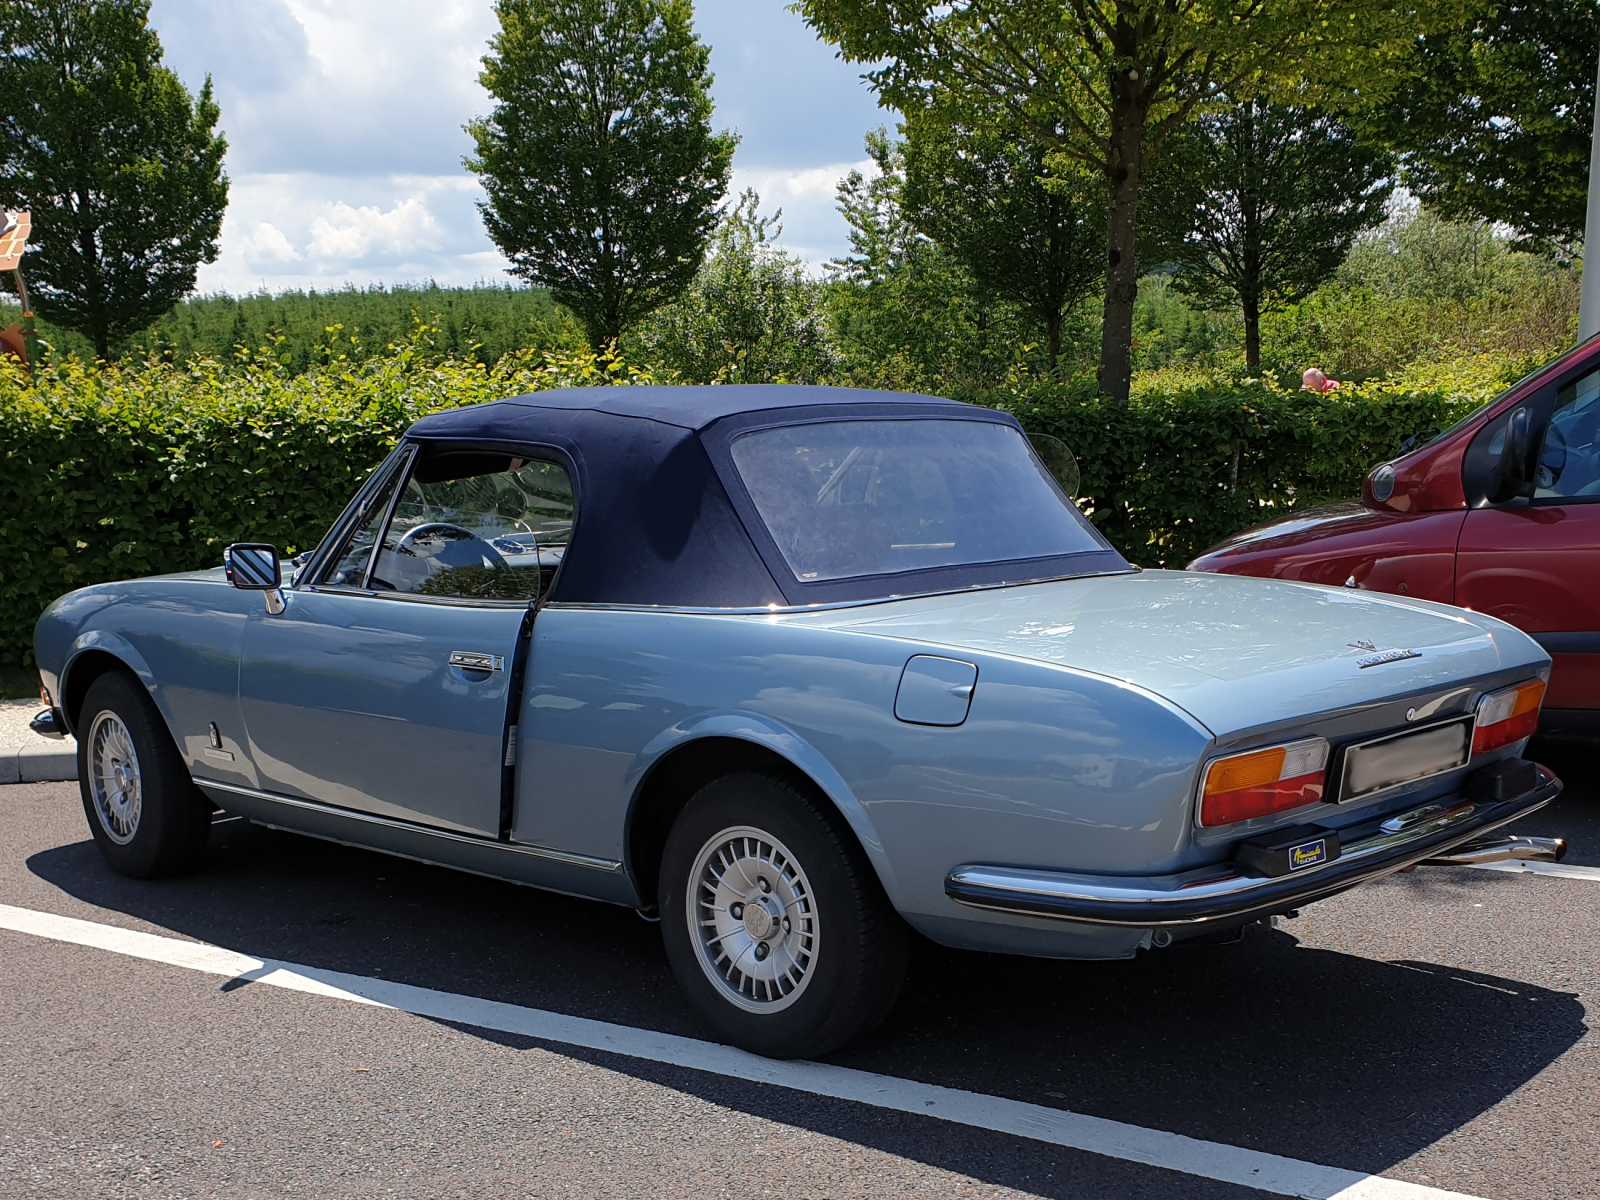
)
(344, 125)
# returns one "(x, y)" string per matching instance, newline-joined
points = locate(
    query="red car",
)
(1500, 514)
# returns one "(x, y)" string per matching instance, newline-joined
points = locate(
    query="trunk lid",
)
(1234, 652)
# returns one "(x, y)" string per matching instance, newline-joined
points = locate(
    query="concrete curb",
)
(47, 762)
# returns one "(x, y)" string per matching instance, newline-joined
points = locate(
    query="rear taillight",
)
(1262, 782)
(1507, 716)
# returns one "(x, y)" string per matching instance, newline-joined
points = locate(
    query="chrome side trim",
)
(444, 835)
(778, 610)
(413, 598)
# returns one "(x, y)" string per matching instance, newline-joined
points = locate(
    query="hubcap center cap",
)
(761, 916)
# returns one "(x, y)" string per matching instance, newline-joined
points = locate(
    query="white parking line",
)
(1559, 870)
(1113, 1139)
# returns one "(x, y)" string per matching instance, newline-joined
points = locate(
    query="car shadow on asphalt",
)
(1310, 1053)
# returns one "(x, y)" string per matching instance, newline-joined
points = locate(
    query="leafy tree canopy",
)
(1103, 82)
(1496, 118)
(121, 167)
(604, 176)
(1260, 203)
(905, 312)
(1025, 232)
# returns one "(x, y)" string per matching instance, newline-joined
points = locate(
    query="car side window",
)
(1569, 464)
(348, 567)
(463, 531)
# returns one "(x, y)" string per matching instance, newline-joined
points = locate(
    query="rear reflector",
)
(1507, 716)
(1261, 782)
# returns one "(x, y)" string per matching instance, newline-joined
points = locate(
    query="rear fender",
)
(787, 745)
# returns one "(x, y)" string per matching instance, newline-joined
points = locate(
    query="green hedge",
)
(1171, 474)
(147, 468)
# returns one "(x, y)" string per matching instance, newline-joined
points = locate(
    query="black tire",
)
(160, 826)
(817, 1001)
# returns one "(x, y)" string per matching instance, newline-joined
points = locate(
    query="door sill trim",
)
(560, 856)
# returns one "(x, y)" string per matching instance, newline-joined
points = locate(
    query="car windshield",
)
(850, 498)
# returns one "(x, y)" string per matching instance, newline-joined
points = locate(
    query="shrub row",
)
(1172, 473)
(147, 468)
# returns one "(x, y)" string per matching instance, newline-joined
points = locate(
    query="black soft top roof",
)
(658, 523)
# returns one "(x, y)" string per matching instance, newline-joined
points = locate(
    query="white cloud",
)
(268, 245)
(354, 233)
(812, 227)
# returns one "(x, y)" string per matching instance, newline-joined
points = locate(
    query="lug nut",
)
(763, 885)
(762, 952)
(786, 924)
(736, 911)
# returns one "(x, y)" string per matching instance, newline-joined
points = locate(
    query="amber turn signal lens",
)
(1245, 771)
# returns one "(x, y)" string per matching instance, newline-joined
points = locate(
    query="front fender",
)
(81, 655)
(788, 745)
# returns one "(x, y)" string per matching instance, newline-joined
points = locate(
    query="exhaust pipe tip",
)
(1502, 849)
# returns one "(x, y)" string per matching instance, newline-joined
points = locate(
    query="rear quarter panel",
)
(1052, 766)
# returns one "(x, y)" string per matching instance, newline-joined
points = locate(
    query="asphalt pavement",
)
(1432, 1029)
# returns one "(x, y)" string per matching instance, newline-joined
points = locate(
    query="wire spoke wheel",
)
(752, 918)
(115, 781)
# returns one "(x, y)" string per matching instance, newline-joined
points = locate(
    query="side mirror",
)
(1513, 474)
(253, 566)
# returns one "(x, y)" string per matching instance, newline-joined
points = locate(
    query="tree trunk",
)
(1122, 280)
(1250, 204)
(1251, 303)
(1052, 337)
(90, 250)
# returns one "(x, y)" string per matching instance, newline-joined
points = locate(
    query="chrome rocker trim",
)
(513, 862)
(1201, 897)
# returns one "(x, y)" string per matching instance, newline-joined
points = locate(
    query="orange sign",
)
(14, 228)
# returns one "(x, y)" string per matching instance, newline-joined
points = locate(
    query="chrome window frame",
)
(309, 576)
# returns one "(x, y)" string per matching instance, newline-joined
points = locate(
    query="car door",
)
(384, 684)
(1535, 562)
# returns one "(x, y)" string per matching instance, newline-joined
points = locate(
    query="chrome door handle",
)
(469, 660)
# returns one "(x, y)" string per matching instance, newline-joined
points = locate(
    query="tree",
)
(603, 174)
(1103, 82)
(750, 316)
(120, 165)
(1260, 203)
(1496, 118)
(1026, 233)
(906, 314)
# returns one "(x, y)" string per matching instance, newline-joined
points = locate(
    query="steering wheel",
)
(449, 546)
(427, 550)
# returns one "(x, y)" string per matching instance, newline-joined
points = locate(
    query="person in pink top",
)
(1315, 381)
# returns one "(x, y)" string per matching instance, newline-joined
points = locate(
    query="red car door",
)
(1536, 562)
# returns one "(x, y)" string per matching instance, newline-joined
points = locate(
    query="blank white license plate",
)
(1404, 758)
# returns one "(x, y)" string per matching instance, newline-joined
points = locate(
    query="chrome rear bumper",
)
(1501, 849)
(1449, 833)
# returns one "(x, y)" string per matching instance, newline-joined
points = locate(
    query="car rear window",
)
(844, 499)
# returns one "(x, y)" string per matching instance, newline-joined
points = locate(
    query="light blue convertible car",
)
(800, 670)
